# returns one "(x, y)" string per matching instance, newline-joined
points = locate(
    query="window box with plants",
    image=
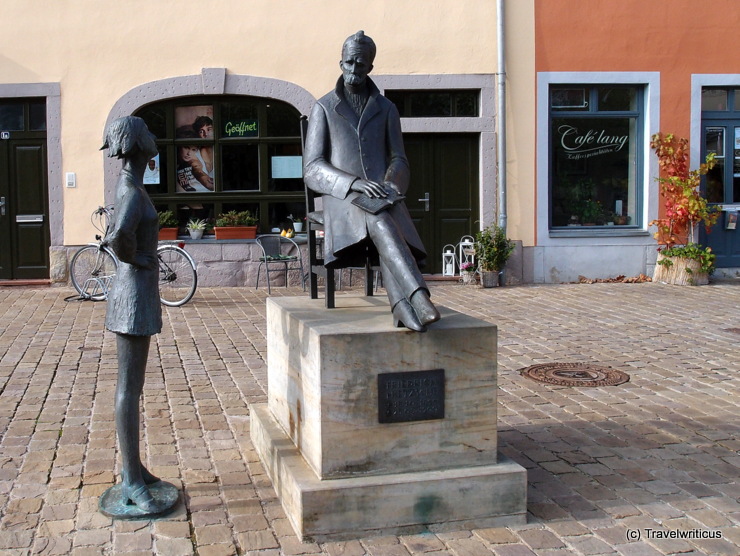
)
(236, 225)
(492, 250)
(680, 259)
(168, 225)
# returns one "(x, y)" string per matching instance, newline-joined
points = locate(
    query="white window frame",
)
(649, 170)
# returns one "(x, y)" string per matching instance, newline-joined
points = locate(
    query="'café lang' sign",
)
(590, 143)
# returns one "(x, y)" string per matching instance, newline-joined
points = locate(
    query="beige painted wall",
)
(98, 51)
(520, 120)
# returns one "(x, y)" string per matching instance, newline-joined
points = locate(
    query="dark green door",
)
(24, 222)
(722, 137)
(443, 195)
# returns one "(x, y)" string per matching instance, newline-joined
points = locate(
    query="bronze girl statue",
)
(134, 314)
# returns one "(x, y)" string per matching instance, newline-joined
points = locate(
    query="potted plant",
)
(236, 225)
(492, 249)
(680, 259)
(467, 273)
(196, 227)
(167, 225)
(591, 212)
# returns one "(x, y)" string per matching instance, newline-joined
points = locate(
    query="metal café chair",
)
(273, 256)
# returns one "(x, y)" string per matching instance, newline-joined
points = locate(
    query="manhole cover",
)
(575, 374)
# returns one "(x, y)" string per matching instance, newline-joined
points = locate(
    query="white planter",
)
(196, 234)
(297, 227)
(682, 272)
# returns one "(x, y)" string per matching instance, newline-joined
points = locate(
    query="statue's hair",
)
(124, 136)
(361, 39)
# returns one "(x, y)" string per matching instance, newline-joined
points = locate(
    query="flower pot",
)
(297, 227)
(682, 272)
(490, 278)
(236, 232)
(468, 278)
(167, 234)
(196, 234)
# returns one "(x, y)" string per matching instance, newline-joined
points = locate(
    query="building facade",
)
(223, 90)
(609, 76)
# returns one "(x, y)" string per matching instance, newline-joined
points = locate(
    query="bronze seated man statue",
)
(354, 157)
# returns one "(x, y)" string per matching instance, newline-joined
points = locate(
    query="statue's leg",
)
(395, 253)
(403, 312)
(132, 356)
(401, 275)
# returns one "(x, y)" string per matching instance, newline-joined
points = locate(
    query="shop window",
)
(218, 154)
(595, 139)
(435, 103)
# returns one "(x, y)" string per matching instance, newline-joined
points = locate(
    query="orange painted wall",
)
(675, 37)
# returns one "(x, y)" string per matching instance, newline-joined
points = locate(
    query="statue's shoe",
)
(404, 315)
(424, 308)
(140, 496)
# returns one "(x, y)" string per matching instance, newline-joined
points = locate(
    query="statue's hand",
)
(369, 188)
(388, 185)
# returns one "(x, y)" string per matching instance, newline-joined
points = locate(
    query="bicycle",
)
(94, 266)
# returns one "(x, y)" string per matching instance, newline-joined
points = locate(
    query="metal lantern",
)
(467, 250)
(448, 260)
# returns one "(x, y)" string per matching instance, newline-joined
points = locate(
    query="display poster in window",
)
(731, 220)
(192, 175)
(241, 128)
(151, 173)
(195, 163)
(287, 167)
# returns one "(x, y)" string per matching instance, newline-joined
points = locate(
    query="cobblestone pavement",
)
(611, 470)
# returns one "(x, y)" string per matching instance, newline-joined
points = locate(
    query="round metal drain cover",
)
(575, 374)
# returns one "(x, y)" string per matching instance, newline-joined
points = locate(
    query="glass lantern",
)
(448, 260)
(467, 250)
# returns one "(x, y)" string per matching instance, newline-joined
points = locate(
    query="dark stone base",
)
(165, 494)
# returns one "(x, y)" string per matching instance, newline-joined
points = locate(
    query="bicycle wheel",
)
(92, 270)
(177, 276)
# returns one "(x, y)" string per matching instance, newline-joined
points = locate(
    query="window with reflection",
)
(22, 114)
(435, 103)
(595, 139)
(218, 154)
(721, 130)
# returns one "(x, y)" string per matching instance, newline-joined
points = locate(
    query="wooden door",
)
(443, 195)
(24, 218)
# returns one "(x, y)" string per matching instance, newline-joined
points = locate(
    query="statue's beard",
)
(353, 80)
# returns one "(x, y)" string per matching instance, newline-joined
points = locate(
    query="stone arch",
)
(211, 81)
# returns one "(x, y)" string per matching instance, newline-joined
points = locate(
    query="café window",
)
(218, 154)
(594, 144)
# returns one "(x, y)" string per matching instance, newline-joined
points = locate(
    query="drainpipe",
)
(501, 117)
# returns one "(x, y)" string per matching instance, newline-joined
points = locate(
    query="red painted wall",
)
(675, 37)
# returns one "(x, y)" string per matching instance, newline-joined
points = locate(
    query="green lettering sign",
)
(241, 128)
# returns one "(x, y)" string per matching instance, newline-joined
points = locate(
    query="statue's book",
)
(378, 204)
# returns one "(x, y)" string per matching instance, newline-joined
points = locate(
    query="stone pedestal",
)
(341, 473)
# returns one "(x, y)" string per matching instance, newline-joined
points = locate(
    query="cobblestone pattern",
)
(606, 465)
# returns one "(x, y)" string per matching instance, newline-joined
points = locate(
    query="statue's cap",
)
(360, 39)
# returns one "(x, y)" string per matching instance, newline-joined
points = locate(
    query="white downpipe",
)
(501, 118)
